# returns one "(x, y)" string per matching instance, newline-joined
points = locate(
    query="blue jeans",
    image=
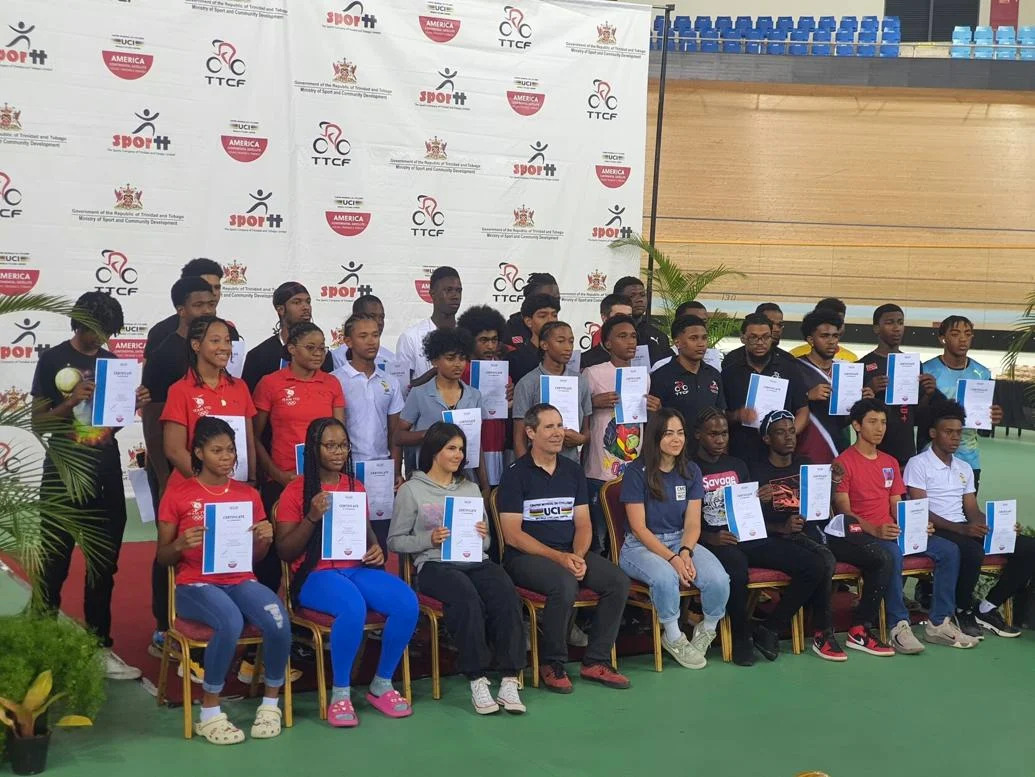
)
(347, 594)
(224, 609)
(946, 557)
(648, 567)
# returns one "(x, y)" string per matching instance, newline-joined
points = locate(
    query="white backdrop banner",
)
(353, 146)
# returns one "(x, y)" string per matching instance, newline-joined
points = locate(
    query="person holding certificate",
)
(782, 491)
(662, 494)
(63, 389)
(207, 390)
(209, 526)
(544, 516)
(536, 311)
(947, 482)
(449, 351)
(336, 584)
(556, 345)
(867, 490)
(808, 571)
(439, 513)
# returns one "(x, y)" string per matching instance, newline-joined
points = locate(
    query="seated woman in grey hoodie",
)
(478, 596)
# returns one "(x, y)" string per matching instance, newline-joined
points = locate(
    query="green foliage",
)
(32, 645)
(1024, 332)
(673, 286)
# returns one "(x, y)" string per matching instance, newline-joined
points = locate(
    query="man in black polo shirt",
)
(774, 313)
(536, 311)
(611, 305)
(658, 346)
(208, 271)
(516, 333)
(544, 513)
(687, 383)
(889, 324)
(759, 357)
(293, 304)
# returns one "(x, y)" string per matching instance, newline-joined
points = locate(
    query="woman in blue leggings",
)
(345, 589)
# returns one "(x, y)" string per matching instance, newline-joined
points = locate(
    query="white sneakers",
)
(684, 652)
(904, 640)
(948, 633)
(117, 669)
(508, 698)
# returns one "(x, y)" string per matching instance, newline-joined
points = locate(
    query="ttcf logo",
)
(601, 98)
(445, 93)
(115, 267)
(536, 164)
(514, 30)
(258, 216)
(223, 64)
(139, 139)
(613, 229)
(352, 15)
(427, 213)
(508, 285)
(331, 148)
(14, 54)
(10, 198)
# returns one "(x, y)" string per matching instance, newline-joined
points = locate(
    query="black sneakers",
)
(743, 652)
(966, 623)
(993, 621)
(767, 642)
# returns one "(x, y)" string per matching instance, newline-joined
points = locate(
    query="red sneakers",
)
(825, 645)
(605, 675)
(555, 678)
(863, 638)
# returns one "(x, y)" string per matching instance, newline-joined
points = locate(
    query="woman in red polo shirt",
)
(221, 600)
(207, 390)
(291, 398)
(345, 589)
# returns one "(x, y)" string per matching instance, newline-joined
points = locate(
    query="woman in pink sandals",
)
(344, 589)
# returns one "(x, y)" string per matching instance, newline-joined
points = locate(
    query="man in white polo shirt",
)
(446, 295)
(948, 483)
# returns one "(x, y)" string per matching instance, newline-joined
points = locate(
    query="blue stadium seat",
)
(1026, 39)
(889, 49)
(687, 41)
(659, 23)
(731, 41)
(702, 23)
(777, 42)
(683, 23)
(845, 43)
(869, 24)
(807, 23)
(753, 42)
(828, 23)
(764, 23)
(723, 23)
(785, 23)
(849, 23)
(983, 38)
(891, 23)
(710, 41)
(1006, 38)
(821, 43)
(867, 44)
(799, 43)
(744, 23)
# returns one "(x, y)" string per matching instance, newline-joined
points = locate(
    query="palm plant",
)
(1023, 335)
(33, 512)
(673, 286)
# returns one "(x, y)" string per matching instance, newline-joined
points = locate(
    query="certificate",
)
(903, 379)
(631, 385)
(378, 478)
(461, 514)
(642, 357)
(238, 350)
(142, 493)
(470, 421)
(115, 398)
(344, 532)
(765, 394)
(744, 511)
(1002, 529)
(976, 396)
(815, 492)
(300, 458)
(240, 426)
(490, 378)
(846, 386)
(562, 391)
(912, 523)
(399, 370)
(227, 546)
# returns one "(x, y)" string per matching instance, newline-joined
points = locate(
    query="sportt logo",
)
(127, 61)
(612, 173)
(445, 95)
(144, 138)
(348, 220)
(350, 286)
(10, 198)
(331, 147)
(509, 284)
(224, 67)
(602, 104)
(515, 32)
(536, 166)
(128, 198)
(439, 25)
(258, 215)
(24, 346)
(9, 119)
(19, 50)
(352, 16)
(612, 229)
(115, 277)
(524, 98)
(427, 219)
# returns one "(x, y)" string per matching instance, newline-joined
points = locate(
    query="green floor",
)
(968, 712)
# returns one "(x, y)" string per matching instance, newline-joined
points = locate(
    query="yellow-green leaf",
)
(75, 720)
(38, 691)
(5, 719)
(11, 705)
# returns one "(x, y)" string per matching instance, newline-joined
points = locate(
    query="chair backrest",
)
(891, 36)
(703, 23)
(849, 23)
(659, 23)
(494, 516)
(172, 595)
(868, 36)
(962, 35)
(723, 22)
(682, 23)
(743, 22)
(764, 23)
(806, 22)
(711, 34)
(827, 23)
(784, 22)
(983, 34)
(845, 36)
(1005, 34)
(614, 515)
(821, 36)
(731, 33)
(799, 35)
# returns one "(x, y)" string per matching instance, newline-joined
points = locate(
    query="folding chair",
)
(189, 634)
(533, 601)
(434, 611)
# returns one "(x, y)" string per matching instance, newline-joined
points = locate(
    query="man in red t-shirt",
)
(868, 489)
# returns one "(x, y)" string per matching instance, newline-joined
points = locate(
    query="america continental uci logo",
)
(612, 173)
(348, 220)
(525, 98)
(126, 60)
(439, 24)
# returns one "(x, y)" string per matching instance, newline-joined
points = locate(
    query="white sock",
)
(985, 606)
(270, 701)
(672, 632)
(207, 713)
(710, 623)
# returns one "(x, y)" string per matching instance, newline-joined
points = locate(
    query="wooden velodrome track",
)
(824, 190)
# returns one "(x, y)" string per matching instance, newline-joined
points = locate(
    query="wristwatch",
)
(688, 550)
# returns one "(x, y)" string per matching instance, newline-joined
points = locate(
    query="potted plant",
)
(43, 662)
(672, 286)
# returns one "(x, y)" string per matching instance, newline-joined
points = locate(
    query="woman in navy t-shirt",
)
(662, 494)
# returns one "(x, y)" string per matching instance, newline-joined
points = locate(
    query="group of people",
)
(292, 428)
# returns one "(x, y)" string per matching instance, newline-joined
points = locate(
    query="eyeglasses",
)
(314, 350)
(758, 339)
(336, 447)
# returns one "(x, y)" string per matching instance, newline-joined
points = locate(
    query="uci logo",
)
(602, 104)
(223, 64)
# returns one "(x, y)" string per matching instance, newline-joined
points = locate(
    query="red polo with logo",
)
(291, 510)
(293, 403)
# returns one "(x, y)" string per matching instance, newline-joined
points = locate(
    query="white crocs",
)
(219, 731)
(267, 722)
